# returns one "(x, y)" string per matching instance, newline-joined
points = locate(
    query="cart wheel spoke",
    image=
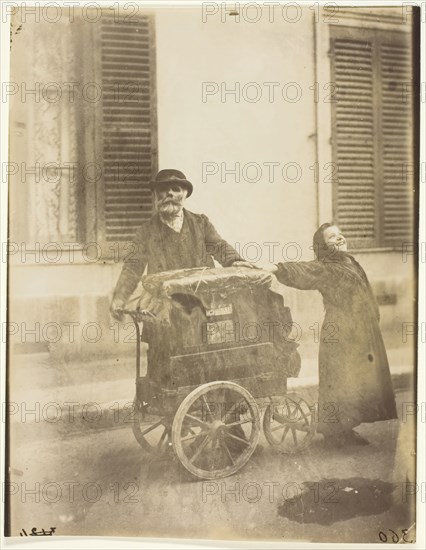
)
(193, 436)
(200, 449)
(247, 443)
(163, 437)
(293, 431)
(280, 427)
(292, 414)
(152, 427)
(197, 420)
(305, 416)
(231, 410)
(285, 432)
(227, 451)
(241, 422)
(296, 425)
(287, 405)
(207, 404)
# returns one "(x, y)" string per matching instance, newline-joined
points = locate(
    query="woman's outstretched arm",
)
(301, 275)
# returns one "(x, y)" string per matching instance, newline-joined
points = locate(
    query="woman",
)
(354, 379)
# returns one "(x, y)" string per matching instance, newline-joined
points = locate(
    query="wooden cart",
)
(219, 353)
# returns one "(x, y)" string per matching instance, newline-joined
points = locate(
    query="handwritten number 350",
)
(395, 537)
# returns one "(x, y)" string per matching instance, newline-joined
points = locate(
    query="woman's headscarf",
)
(321, 249)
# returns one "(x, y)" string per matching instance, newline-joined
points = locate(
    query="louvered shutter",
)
(353, 140)
(372, 136)
(397, 145)
(128, 124)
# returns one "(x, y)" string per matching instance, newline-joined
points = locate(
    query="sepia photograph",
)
(213, 252)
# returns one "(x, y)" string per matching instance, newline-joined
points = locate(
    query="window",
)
(372, 135)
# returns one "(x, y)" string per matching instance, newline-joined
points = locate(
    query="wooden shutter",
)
(128, 124)
(353, 139)
(397, 143)
(372, 136)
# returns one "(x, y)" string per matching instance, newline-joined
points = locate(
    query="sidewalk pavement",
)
(49, 398)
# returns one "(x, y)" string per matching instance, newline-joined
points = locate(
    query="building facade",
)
(282, 118)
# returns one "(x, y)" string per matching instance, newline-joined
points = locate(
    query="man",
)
(174, 238)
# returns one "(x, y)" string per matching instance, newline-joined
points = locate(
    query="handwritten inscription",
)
(35, 533)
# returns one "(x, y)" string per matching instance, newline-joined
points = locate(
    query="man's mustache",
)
(169, 201)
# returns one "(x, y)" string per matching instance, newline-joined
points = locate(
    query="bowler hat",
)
(170, 176)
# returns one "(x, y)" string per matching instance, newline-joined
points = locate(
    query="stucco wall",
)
(229, 129)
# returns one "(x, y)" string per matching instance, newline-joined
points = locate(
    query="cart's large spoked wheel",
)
(289, 423)
(152, 431)
(216, 429)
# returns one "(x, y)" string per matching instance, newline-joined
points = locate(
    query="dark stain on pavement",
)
(330, 500)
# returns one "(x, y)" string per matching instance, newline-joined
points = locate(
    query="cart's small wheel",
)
(216, 429)
(151, 431)
(289, 423)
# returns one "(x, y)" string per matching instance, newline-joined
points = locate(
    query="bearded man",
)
(174, 238)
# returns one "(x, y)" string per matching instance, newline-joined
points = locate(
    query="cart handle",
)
(138, 314)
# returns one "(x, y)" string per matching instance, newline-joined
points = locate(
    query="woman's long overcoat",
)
(354, 379)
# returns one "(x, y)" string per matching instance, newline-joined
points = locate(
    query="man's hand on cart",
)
(117, 309)
(240, 263)
(138, 315)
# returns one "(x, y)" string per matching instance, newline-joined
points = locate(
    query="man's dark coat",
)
(162, 249)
